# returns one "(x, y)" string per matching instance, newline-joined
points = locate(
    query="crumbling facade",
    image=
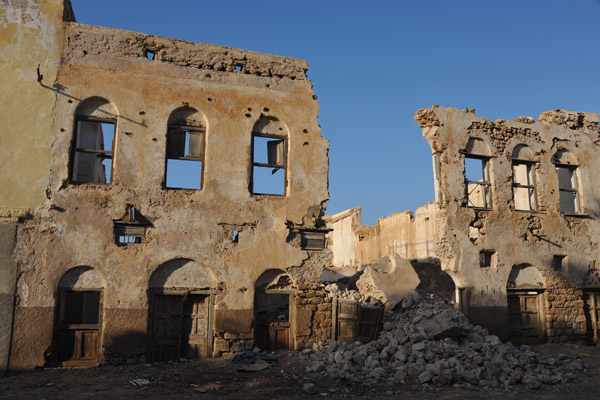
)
(514, 224)
(112, 253)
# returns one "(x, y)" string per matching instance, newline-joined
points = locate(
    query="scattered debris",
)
(427, 341)
(208, 387)
(139, 382)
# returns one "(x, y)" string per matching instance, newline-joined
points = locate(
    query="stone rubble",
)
(427, 341)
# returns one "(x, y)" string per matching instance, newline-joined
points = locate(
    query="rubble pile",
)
(426, 340)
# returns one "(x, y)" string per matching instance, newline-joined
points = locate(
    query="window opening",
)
(488, 258)
(93, 150)
(567, 189)
(236, 236)
(269, 160)
(559, 262)
(131, 228)
(477, 177)
(524, 194)
(185, 150)
(150, 55)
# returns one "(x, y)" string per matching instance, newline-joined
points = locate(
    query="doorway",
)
(79, 322)
(525, 317)
(181, 326)
(591, 308)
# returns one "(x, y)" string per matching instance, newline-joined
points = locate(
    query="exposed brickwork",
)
(315, 303)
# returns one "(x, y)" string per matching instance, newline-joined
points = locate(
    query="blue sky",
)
(374, 64)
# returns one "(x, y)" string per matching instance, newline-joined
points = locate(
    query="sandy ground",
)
(285, 379)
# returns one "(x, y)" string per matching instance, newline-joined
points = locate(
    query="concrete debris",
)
(427, 341)
(389, 280)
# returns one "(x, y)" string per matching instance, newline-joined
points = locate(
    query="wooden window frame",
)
(187, 130)
(531, 179)
(270, 165)
(106, 154)
(485, 183)
(575, 189)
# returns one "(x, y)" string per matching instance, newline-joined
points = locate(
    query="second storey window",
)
(523, 167)
(477, 175)
(568, 188)
(269, 157)
(93, 142)
(185, 149)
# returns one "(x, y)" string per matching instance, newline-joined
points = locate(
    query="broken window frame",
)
(574, 189)
(274, 166)
(100, 153)
(485, 183)
(530, 187)
(187, 130)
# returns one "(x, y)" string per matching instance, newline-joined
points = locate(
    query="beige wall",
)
(76, 227)
(410, 236)
(532, 237)
(31, 34)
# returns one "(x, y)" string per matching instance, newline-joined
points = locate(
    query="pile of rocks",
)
(428, 341)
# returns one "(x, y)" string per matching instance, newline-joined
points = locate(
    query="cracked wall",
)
(533, 236)
(231, 89)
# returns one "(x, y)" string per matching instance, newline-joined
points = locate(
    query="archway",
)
(181, 311)
(526, 319)
(79, 320)
(591, 305)
(273, 295)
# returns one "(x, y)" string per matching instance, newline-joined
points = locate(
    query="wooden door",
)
(525, 318)
(195, 327)
(591, 307)
(347, 320)
(167, 321)
(279, 336)
(369, 322)
(79, 323)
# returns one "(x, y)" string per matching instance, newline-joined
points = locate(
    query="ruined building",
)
(515, 223)
(108, 253)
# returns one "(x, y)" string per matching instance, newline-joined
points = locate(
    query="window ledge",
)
(479, 208)
(577, 215)
(528, 211)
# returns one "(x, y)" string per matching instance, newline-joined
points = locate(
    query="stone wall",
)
(513, 236)
(313, 320)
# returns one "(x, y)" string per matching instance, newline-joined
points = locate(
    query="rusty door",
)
(591, 309)
(195, 327)
(525, 318)
(79, 321)
(167, 327)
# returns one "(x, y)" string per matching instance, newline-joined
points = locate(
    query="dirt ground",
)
(285, 379)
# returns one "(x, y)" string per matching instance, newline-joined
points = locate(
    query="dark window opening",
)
(487, 258)
(559, 262)
(478, 185)
(185, 156)
(235, 236)
(93, 151)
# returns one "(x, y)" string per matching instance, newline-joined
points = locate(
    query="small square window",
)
(488, 258)
(559, 262)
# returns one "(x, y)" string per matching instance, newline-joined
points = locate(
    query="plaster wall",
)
(531, 237)
(410, 236)
(75, 227)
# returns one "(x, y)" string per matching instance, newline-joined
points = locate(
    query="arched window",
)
(477, 174)
(523, 175)
(185, 149)
(568, 187)
(93, 142)
(269, 157)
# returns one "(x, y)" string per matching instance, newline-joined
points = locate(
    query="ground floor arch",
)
(525, 302)
(273, 311)
(181, 302)
(78, 327)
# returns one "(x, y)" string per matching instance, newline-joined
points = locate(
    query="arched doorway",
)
(79, 320)
(273, 295)
(526, 319)
(591, 305)
(181, 297)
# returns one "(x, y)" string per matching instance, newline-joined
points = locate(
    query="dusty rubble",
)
(427, 341)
